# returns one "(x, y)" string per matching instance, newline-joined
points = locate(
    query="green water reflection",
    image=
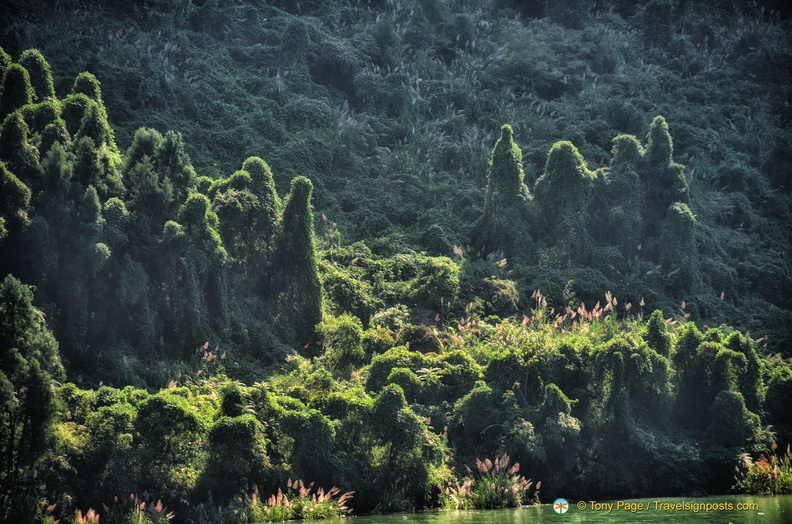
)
(767, 510)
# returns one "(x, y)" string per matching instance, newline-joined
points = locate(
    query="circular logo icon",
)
(561, 506)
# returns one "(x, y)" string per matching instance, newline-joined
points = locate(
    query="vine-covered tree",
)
(504, 225)
(264, 188)
(40, 74)
(663, 178)
(5, 61)
(16, 90)
(29, 363)
(677, 248)
(73, 109)
(563, 194)
(299, 299)
(14, 206)
(21, 157)
(87, 84)
(624, 195)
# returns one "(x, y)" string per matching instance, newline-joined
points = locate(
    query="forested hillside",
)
(364, 244)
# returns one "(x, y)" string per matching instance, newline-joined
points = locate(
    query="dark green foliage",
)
(14, 201)
(55, 132)
(94, 126)
(624, 193)
(39, 116)
(263, 186)
(504, 226)
(20, 156)
(237, 458)
(15, 91)
(663, 178)
(5, 60)
(657, 336)
(159, 174)
(678, 247)
(40, 74)
(342, 341)
(732, 423)
(750, 381)
(151, 275)
(686, 347)
(299, 301)
(312, 454)
(563, 193)
(87, 84)
(776, 400)
(233, 403)
(570, 13)
(409, 451)
(29, 363)
(73, 109)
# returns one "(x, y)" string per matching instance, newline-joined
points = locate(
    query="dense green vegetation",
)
(401, 306)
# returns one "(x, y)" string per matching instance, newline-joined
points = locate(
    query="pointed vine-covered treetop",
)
(16, 90)
(300, 301)
(297, 241)
(627, 150)
(665, 180)
(505, 168)
(5, 61)
(564, 185)
(87, 84)
(263, 183)
(503, 227)
(660, 145)
(40, 74)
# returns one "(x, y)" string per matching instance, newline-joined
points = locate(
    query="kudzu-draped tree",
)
(96, 165)
(159, 175)
(40, 74)
(169, 437)
(313, 455)
(663, 178)
(299, 299)
(29, 363)
(193, 261)
(750, 381)
(5, 61)
(73, 109)
(504, 225)
(776, 401)
(264, 188)
(563, 194)
(174, 163)
(87, 84)
(20, 156)
(94, 125)
(409, 450)
(14, 204)
(38, 116)
(15, 91)
(237, 459)
(239, 211)
(656, 334)
(678, 248)
(559, 435)
(624, 194)
(54, 132)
